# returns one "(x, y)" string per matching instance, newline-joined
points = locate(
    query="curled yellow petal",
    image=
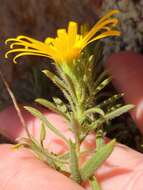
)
(108, 15)
(96, 28)
(105, 35)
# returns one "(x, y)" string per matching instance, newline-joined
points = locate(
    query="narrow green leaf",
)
(60, 105)
(100, 78)
(96, 160)
(42, 133)
(61, 85)
(55, 79)
(39, 115)
(88, 68)
(69, 98)
(17, 146)
(71, 84)
(110, 101)
(46, 104)
(94, 184)
(62, 167)
(111, 115)
(41, 154)
(102, 85)
(97, 123)
(50, 106)
(118, 112)
(64, 156)
(95, 110)
(113, 108)
(75, 174)
(99, 139)
(58, 101)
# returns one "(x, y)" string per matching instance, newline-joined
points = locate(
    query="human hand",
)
(21, 170)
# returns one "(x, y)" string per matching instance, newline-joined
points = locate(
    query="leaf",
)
(50, 106)
(61, 85)
(88, 64)
(70, 85)
(102, 85)
(113, 108)
(100, 78)
(55, 79)
(39, 115)
(75, 174)
(17, 146)
(111, 115)
(42, 155)
(96, 124)
(64, 156)
(99, 138)
(96, 160)
(94, 184)
(60, 105)
(118, 112)
(36, 147)
(110, 100)
(42, 133)
(95, 110)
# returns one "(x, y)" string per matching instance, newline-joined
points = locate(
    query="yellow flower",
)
(68, 44)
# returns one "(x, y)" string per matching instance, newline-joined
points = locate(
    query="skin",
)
(21, 170)
(126, 69)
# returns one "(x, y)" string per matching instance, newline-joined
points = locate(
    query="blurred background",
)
(39, 19)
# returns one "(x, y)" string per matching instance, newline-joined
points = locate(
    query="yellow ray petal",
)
(61, 32)
(72, 33)
(105, 34)
(14, 44)
(14, 41)
(10, 40)
(96, 28)
(61, 42)
(49, 40)
(44, 50)
(109, 14)
(22, 50)
(23, 54)
(28, 39)
(30, 42)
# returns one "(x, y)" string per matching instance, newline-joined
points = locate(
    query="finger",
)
(126, 69)
(122, 170)
(20, 170)
(10, 125)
